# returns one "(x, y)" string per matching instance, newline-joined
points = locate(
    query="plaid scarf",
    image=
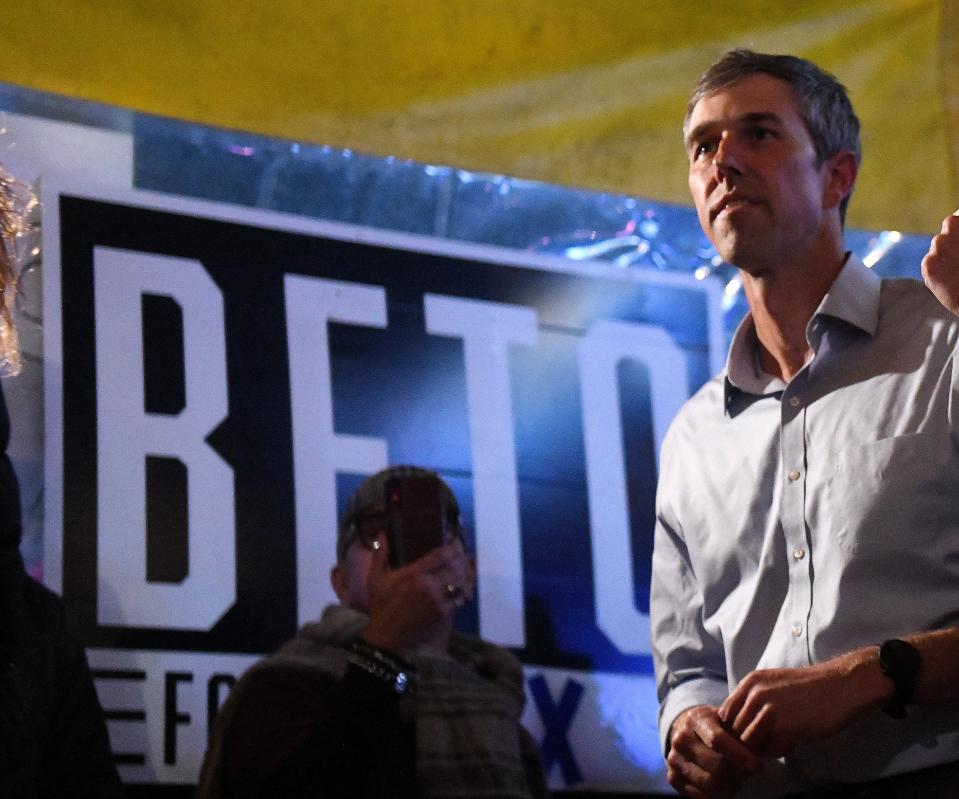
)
(468, 703)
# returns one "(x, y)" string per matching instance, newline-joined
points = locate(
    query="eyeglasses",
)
(368, 529)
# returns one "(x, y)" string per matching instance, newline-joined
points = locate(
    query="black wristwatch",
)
(900, 662)
(385, 667)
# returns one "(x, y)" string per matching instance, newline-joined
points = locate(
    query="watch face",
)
(900, 662)
(898, 658)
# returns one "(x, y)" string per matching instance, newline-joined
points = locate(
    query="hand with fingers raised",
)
(940, 267)
(414, 604)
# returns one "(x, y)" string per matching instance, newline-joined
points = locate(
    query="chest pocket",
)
(888, 494)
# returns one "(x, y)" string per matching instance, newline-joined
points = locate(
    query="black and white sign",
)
(218, 380)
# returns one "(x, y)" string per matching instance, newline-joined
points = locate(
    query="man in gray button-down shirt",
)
(808, 507)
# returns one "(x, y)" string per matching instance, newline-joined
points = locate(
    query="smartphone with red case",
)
(414, 518)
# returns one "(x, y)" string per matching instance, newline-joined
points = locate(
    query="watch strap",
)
(900, 662)
(385, 667)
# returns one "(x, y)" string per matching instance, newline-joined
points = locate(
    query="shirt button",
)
(794, 402)
(799, 553)
(796, 630)
(794, 475)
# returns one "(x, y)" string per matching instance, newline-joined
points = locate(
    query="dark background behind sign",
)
(400, 384)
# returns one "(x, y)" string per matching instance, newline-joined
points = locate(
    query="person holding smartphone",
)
(380, 697)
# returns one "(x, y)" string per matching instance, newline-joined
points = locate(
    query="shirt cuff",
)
(698, 691)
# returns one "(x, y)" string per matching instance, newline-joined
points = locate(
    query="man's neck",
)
(782, 301)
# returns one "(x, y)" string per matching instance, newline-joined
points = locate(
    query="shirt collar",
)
(742, 363)
(853, 298)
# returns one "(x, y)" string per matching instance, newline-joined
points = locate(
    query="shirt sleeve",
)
(689, 662)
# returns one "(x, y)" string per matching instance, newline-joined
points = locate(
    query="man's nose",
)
(727, 159)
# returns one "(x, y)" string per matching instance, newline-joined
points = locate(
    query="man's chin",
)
(738, 246)
(729, 248)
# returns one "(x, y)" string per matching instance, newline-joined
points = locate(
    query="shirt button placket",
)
(793, 519)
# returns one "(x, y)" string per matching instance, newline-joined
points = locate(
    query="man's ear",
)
(841, 172)
(338, 581)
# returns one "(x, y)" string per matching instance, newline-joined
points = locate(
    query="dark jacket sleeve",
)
(532, 765)
(50, 713)
(75, 756)
(299, 734)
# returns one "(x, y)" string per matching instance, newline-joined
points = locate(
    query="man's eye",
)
(761, 134)
(704, 148)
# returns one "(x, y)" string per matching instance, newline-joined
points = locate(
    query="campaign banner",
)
(219, 379)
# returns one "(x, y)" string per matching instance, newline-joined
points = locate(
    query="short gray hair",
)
(823, 101)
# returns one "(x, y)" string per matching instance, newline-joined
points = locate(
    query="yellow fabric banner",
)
(582, 94)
